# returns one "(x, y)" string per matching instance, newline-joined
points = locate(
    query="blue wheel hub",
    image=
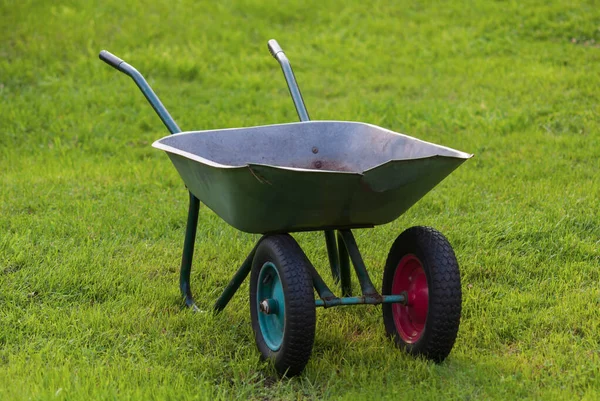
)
(270, 303)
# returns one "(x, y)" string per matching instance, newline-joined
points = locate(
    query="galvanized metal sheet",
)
(309, 175)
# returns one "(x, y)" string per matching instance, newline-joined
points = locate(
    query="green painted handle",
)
(140, 81)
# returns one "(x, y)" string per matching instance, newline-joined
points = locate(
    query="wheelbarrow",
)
(333, 176)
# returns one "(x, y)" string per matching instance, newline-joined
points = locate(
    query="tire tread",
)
(445, 296)
(300, 319)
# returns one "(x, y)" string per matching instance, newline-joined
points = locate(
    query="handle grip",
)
(110, 59)
(274, 47)
(140, 81)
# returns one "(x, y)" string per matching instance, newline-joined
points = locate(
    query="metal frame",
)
(328, 298)
(340, 250)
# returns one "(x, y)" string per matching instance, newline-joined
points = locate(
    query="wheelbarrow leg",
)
(332, 253)
(345, 280)
(339, 262)
(366, 285)
(188, 252)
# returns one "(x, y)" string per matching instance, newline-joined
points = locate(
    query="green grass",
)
(92, 218)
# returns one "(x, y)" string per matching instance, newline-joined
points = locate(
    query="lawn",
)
(92, 218)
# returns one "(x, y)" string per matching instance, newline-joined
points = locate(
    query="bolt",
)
(264, 307)
(315, 150)
(269, 306)
(406, 300)
(318, 164)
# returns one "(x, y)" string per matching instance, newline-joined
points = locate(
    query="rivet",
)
(264, 307)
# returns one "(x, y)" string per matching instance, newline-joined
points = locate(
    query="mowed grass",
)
(92, 218)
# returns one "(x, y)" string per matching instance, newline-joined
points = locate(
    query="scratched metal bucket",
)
(308, 176)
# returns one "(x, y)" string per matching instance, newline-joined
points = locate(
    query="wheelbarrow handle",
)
(110, 59)
(277, 52)
(332, 249)
(140, 81)
(274, 48)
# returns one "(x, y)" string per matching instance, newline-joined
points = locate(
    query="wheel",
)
(421, 265)
(282, 304)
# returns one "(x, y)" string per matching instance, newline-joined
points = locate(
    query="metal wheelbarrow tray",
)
(312, 175)
(319, 175)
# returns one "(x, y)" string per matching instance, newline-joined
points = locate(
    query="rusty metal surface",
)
(308, 175)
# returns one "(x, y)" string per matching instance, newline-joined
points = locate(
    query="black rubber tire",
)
(300, 315)
(443, 283)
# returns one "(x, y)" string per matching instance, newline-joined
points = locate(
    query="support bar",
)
(322, 289)
(188, 252)
(371, 300)
(366, 284)
(333, 255)
(345, 280)
(236, 281)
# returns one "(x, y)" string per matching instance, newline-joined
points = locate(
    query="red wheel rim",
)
(410, 279)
